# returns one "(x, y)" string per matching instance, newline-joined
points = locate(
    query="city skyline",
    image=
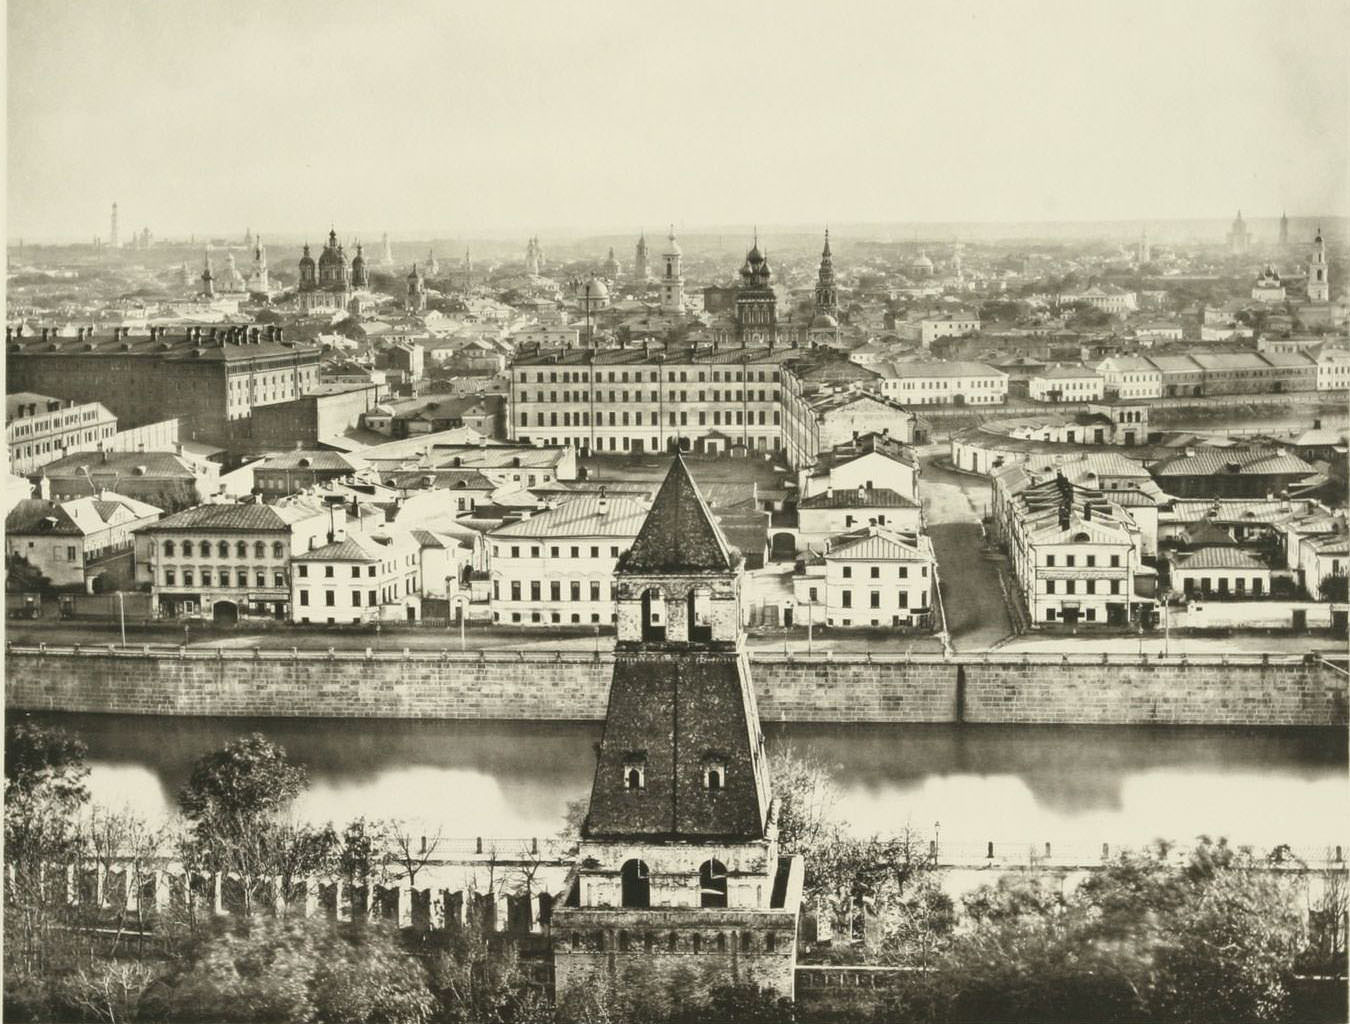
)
(302, 116)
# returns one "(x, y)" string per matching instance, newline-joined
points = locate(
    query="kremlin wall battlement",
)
(1261, 690)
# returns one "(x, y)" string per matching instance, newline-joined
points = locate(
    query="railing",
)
(766, 657)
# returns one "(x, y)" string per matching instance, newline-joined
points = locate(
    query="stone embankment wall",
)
(1006, 688)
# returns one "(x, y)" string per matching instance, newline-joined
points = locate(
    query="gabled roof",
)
(226, 517)
(1219, 556)
(876, 543)
(679, 534)
(861, 497)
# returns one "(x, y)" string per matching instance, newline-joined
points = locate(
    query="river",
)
(1009, 784)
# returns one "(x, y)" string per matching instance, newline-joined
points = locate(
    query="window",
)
(223, 549)
(1069, 560)
(260, 578)
(329, 598)
(168, 547)
(714, 776)
(812, 595)
(356, 572)
(1049, 586)
(635, 774)
(876, 572)
(1091, 560)
(848, 572)
(1115, 561)
(170, 578)
(555, 590)
(206, 577)
(876, 599)
(241, 578)
(356, 599)
(259, 549)
(1049, 559)
(534, 590)
(278, 549)
(240, 549)
(187, 547)
(328, 571)
(515, 590)
(304, 597)
(595, 591)
(187, 577)
(846, 598)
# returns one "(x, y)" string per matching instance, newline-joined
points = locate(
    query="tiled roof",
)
(679, 534)
(864, 444)
(936, 368)
(347, 550)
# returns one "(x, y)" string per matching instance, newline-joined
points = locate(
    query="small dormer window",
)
(635, 772)
(714, 776)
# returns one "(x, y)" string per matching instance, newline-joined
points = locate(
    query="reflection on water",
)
(1006, 783)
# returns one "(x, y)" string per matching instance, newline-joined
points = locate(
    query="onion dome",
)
(306, 260)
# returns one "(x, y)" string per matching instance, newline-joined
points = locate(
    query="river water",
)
(1009, 784)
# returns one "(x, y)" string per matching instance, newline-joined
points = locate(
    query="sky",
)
(426, 117)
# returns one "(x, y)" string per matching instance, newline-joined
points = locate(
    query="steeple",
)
(679, 534)
(1319, 274)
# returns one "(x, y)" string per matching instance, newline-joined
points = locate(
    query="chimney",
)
(862, 493)
(603, 503)
(1190, 452)
(829, 491)
(1064, 517)
(45, 333)
(279, 335)
(1087, 512)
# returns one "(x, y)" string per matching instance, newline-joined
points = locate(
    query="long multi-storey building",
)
(40, 429)
(705, 398)
(211, 378)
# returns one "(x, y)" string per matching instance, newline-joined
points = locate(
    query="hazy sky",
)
(436, 116)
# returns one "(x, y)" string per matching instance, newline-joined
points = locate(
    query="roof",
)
(1246, 462)
(348, 549)
(1220, 556)
(876, 544)
(849, 497)
(316, 459)
(233, 516)
(141, 464)
(583, 516)
(940, 368)
(865, 444)
(1066, 372)
(76, 517)
(679, 534)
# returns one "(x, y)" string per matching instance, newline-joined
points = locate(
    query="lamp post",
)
(122, 616)
(461, 603)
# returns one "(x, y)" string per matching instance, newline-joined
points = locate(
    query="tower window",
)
(714, 776)
(635, 773)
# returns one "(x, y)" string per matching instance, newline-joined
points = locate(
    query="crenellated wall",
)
(537, 686)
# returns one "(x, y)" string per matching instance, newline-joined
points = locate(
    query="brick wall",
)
(1246, 690)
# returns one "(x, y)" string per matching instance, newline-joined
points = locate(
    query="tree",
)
(124, 839)
(411, 851)
(269, 969)
(1334, 588)
(364, 850)
(807, 796)
(234, 801)
(45, 775)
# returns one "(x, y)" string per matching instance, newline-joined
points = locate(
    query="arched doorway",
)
(225, 613)
(653, 615)
(782, 547)
(636, 884)
(712, 883)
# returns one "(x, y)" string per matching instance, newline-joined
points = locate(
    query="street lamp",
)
(122, 616)
(461, 603)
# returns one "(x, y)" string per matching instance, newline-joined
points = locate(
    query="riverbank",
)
(997, 687)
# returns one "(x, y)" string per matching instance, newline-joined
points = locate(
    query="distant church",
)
(330, 284)
(678, 869)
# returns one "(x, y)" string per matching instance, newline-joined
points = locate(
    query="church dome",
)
(306, 260)
(824, 322)
(923, 261)
(597, 289)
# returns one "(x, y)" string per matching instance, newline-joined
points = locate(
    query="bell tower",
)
(827, 295)
(1319, 280)
(679, 856)
(672, 276)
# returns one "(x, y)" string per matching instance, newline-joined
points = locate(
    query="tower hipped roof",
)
(679, 535)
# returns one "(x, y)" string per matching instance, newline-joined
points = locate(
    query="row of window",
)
(874, 572)
(874, 599)
(635, 443)
(674, 396)
(583, 419)
(555, 551)
(203, 549)
(222, 577)
(919, 384)
(1089, 586)
(372, 598)
(718, 376)
(1205, 585)
(575, 589)
(329, 572)
(1070, 561)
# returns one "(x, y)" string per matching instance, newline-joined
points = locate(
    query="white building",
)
(946, 383)
(359, 578)
(869, 461)
(872, 577)
(1076, 553)
(931, 328)
(1107, 298)
(832, 511)
(1333, 369)
(1130, 377)
(1066, 384)
(40, 429)
(556, 567)
(64, 540)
